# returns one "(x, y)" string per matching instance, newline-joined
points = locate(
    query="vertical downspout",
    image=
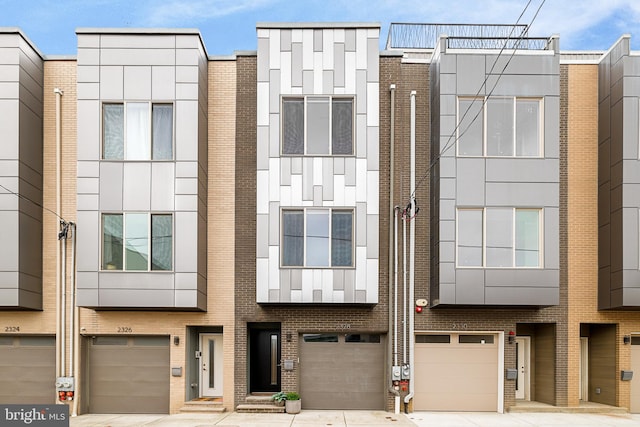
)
(63, 306)
(412, 246)
(59, 346)
(393, 323)
(404, 288)
(74, 357)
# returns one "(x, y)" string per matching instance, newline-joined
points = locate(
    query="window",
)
(317, 238)
(137, 242)
(475, 339)
(499, 238)
(502, 127)
(317, 125)
(137, 131)
(320, 337)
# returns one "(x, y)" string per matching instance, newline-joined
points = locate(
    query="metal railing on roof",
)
(425, 36)
(537, 43)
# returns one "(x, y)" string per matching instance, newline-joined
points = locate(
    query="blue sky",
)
(229, 25)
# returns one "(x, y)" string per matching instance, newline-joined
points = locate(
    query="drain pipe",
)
(412, 247)
(63, 299)
(393, 323)
(74, 320)
(58, 93)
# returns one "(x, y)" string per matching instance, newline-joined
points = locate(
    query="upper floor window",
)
(499, 237)
(317, 237)
(505, 127)
(317, 125)
(137, 242)
(137, 131)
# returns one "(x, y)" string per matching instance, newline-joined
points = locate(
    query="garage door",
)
(128, 375)
(456, 372)
(635, 382)
(339, 371)
(27, 369)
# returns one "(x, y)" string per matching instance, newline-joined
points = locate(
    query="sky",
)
(229, 25)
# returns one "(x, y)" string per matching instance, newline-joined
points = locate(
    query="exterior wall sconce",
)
(626, 339)
(512, 337)
(176, 340)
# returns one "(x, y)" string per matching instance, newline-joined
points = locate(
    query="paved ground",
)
(309, 418)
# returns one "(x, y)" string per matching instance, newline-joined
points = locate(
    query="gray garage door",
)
(128, 375)
(27, 369)
(339, 371)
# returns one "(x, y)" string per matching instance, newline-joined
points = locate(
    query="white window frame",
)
(513, 236)
(329, 210)
(150, 136)
(149, 240)
(305, 98)
(483, 117)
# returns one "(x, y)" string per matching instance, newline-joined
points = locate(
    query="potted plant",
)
(280, 397)
(292, 403)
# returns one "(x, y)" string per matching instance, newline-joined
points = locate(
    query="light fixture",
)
(626, 339)
(176, 340)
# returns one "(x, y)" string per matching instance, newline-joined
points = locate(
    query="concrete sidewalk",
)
(310, 418)
(306, 418)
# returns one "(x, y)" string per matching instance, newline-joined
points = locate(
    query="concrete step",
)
(260, 408)
(202, 407)
(583, 408)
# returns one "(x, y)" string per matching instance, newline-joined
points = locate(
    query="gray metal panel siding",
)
(496, 181)
(144, 67)
(618, 173)
(21, 110)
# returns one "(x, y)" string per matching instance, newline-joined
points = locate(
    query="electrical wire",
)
(23, 197)
(452, 139)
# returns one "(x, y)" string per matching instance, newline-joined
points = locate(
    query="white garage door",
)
(635, 382)
(342, 371)
(27, 369)
(128, 375)
(456, 372)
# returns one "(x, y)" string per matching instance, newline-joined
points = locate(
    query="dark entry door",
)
(264, 356)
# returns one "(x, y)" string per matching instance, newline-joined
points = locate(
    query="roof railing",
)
(426, 36)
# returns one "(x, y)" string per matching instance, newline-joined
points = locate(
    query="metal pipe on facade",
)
(404, 288)
(74, 344)
(63, 305)
(412, 247)
(59, 347)
(393, 323)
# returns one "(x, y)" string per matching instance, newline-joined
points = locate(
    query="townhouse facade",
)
(450, 223)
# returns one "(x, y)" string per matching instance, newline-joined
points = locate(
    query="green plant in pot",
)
(293, 404)
(280, 397)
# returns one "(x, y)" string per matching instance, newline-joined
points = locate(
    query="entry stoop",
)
(202, 406)
(260, 404)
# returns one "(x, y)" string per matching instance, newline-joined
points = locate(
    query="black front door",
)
(264, 359)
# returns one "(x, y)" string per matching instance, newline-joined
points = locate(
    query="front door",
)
(523, 355)
(264, 356)
(210, 365)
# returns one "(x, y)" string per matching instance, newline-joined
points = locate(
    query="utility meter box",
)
(406, 372)
(396, 373)
(65, 384)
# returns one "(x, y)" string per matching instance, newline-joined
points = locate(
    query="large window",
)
(499, 237)
(317, 238)
(317, 125)
(137, 131)
(502, 127)
(137, 242)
